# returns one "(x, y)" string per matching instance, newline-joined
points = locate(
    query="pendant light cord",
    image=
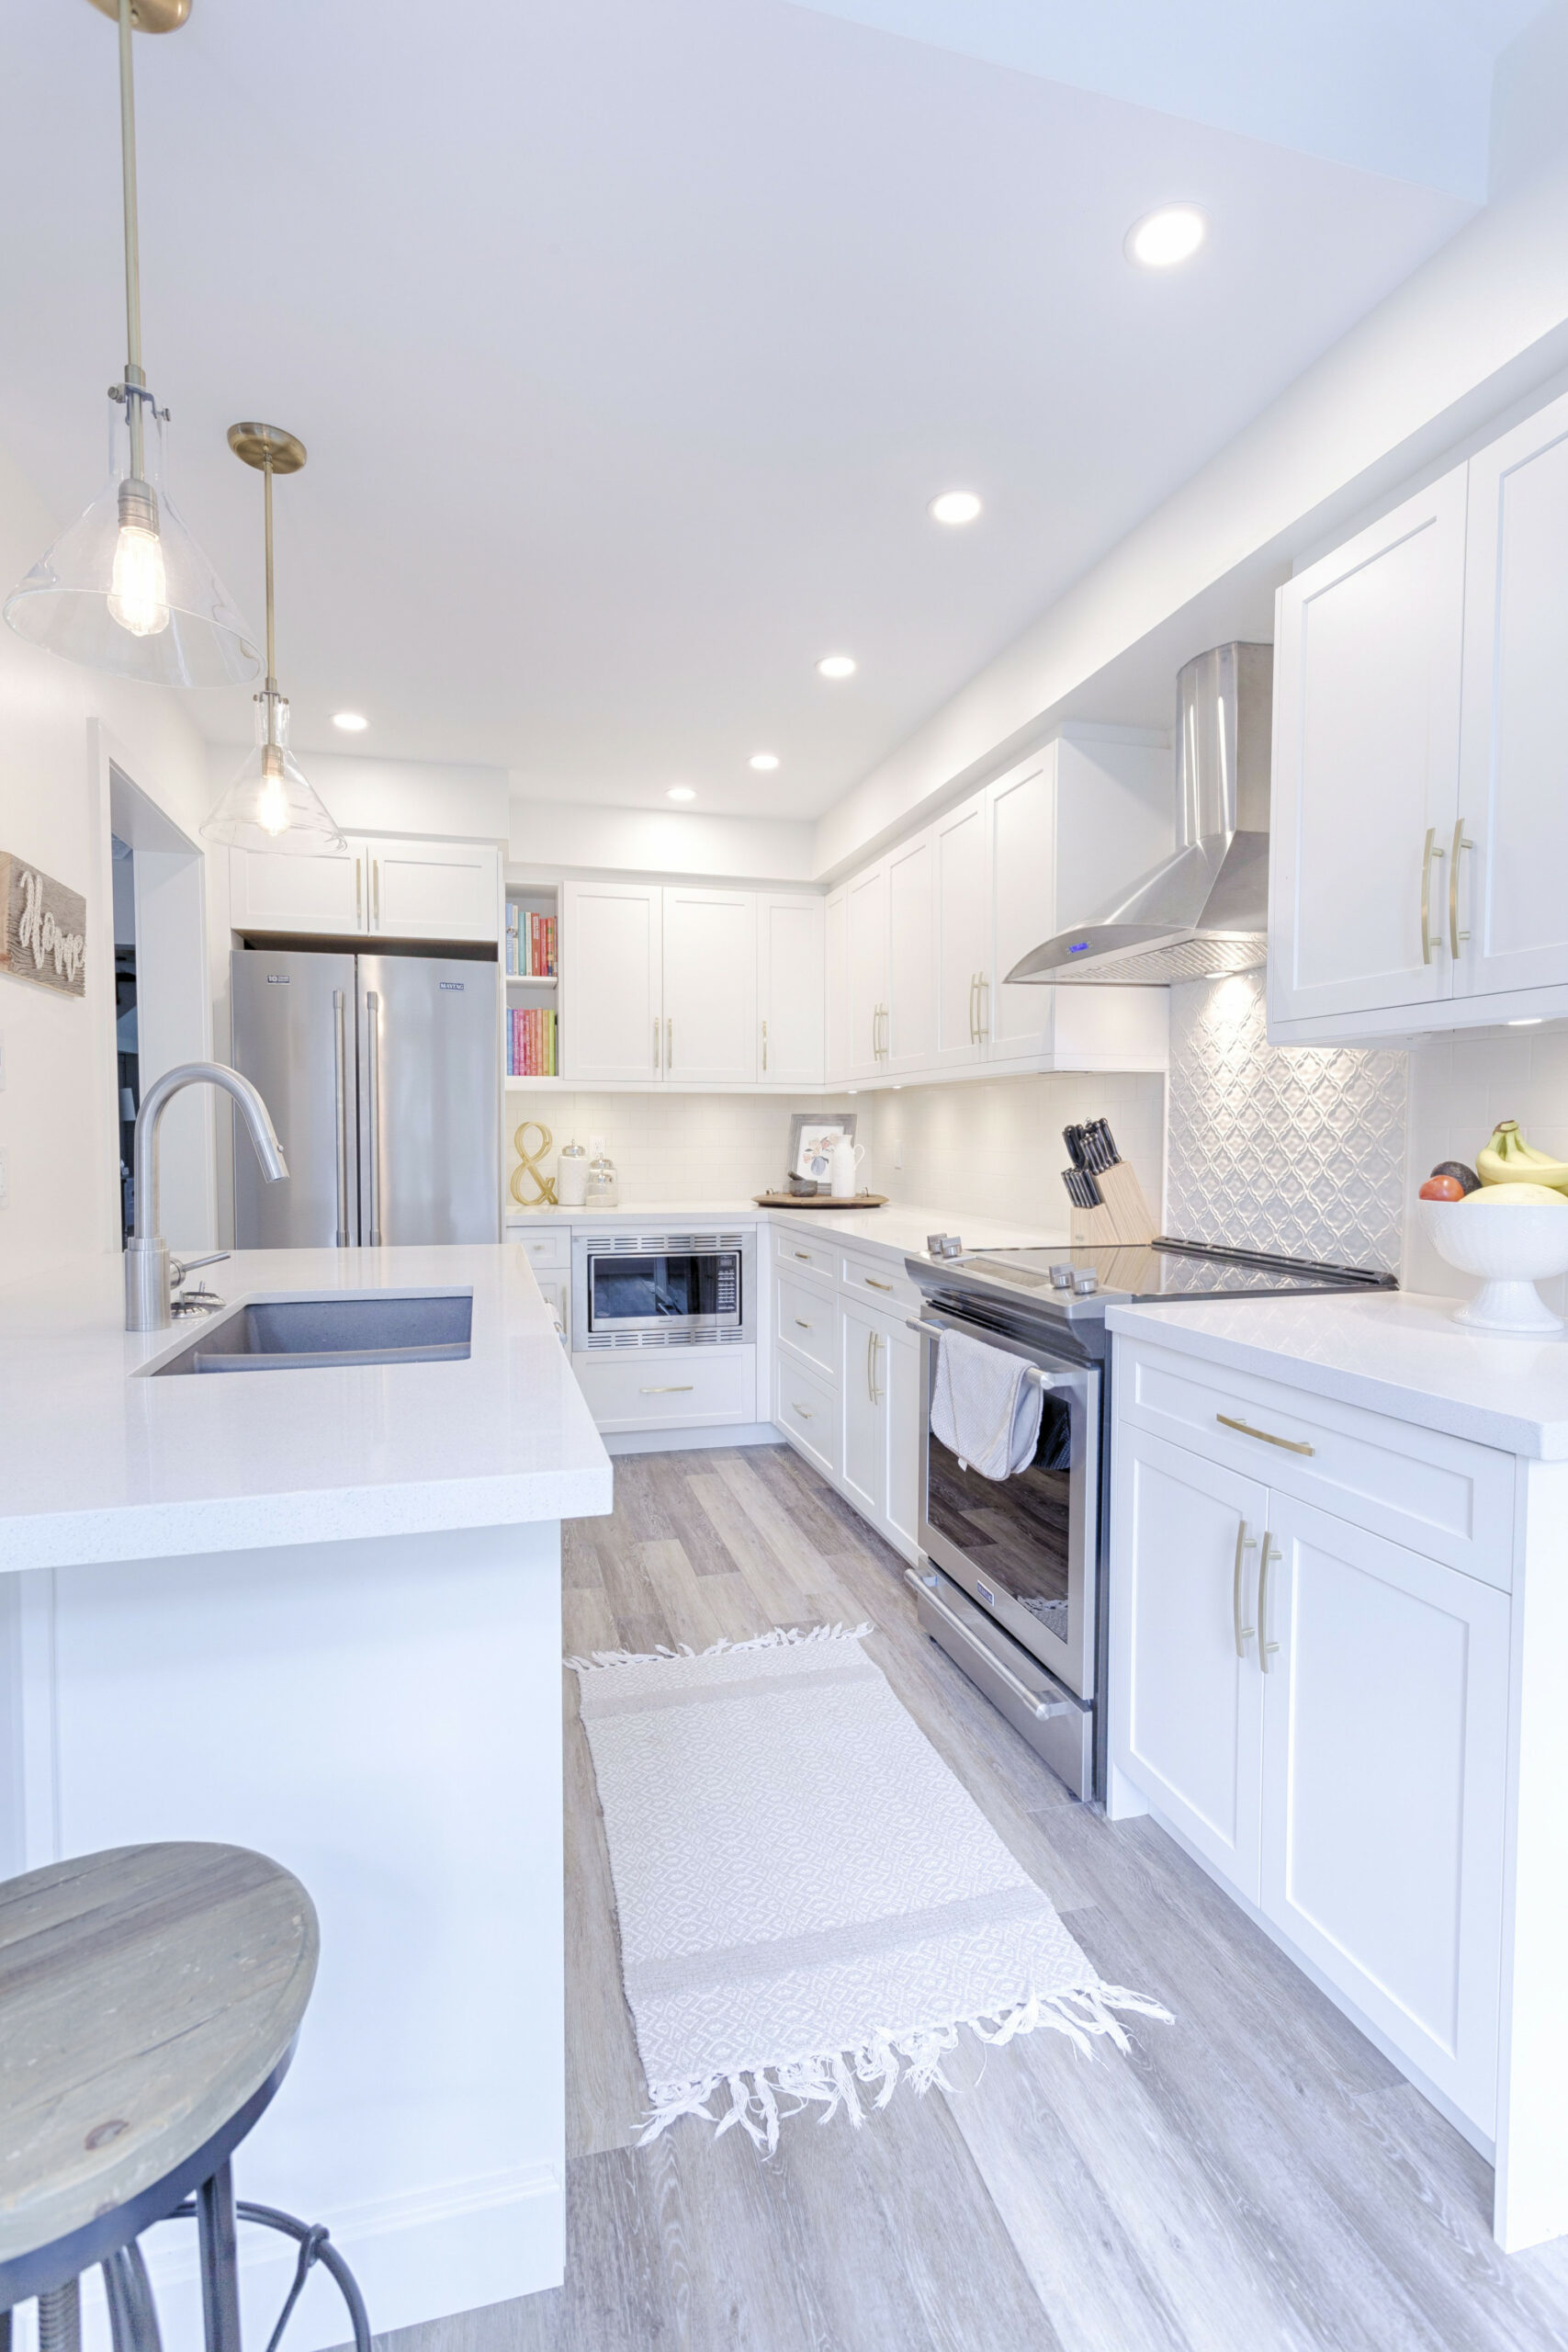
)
(271, 688)
(135, 381)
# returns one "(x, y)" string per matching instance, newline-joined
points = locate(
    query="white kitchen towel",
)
(985, 1407)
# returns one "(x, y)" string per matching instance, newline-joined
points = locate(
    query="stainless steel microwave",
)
(640, 1290)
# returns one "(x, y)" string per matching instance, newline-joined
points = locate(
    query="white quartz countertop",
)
(1393, 1351)
(900, 1229)
(96, 1464)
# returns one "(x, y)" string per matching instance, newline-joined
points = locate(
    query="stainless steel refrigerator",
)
(383, 1076)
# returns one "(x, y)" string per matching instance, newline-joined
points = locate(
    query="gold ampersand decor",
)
(528, 1166)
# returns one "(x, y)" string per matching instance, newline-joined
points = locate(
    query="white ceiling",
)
(630, 337)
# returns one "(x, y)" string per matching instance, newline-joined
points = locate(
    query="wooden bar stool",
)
(150, 1998)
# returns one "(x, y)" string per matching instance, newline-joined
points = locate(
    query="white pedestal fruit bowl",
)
(1511, 1247)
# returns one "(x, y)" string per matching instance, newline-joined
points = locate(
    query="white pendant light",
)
(126, 588)
(270, 806)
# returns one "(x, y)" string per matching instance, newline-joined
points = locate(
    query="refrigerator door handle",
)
(373, 1111)
(340, 1082)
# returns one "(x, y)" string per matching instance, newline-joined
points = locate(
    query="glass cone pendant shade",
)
(270, 806)
(127, 589)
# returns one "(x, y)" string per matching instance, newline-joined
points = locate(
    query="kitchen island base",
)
(383, 1717)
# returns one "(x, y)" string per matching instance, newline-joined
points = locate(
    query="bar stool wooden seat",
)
(150, 1998)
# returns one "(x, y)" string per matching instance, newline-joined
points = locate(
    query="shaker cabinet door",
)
(433, 889)
(611, 973)
(1366, 765)
(866, 904)
(962, 946)
(790, 991)
(909, 1032)
(862, 1407)
(1186, 1694)
(710, 986)
(1508, 849)
(1385, 1740)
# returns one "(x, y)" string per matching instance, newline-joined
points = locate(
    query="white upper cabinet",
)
(790, 979)
(325, 894)
(867, 913)
(1509, 838)
(612, 938)
(433, 889)
(836, 984)
(1366, 765)
(1020, 910)
(908, 1035)
(960, 952)
(710, 986)
(382, 889)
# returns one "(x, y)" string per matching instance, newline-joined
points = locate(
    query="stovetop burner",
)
(1165, 1269)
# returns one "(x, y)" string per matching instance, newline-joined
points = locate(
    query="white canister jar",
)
(603, 1187)
(843, 1168)
(571, 1176)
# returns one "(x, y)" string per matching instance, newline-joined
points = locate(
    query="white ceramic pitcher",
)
(843, 1168)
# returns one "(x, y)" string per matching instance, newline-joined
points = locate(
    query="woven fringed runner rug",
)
(811, 1906)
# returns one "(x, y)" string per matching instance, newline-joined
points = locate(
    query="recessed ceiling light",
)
(350, 721)
(1162, 239)
(764, 761)
(682, 792)
(836, 665)
(954, 506)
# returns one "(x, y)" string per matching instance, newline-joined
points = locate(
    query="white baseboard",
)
(460, 2246)
(691, 1441)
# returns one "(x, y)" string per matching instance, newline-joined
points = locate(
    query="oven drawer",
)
(881, 1280)
(804, 1320)
(1058, 1727)
(662, 1388)
(801, 1253)
(806, 1409)
(1442, 1496)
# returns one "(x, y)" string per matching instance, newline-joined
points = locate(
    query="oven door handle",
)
(1032, 1371)
(1042, 1709)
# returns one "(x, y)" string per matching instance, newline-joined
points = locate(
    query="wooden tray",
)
(819, 1201)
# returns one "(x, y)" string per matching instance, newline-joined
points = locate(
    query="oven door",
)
(1024, 1547)
(657, 1289)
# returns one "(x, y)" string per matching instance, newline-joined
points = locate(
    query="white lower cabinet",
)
(806, 1408)
(1322, 1715)
(879, 1435)
(667, 1388)
(846, 1382)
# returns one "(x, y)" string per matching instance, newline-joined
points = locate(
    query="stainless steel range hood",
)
(1206, 909)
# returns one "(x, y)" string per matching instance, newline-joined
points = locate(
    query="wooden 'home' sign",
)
(44, 937)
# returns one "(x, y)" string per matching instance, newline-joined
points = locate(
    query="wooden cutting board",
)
(819, 1201)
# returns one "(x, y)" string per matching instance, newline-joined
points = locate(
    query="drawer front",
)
(551, 1247)
(802, 1253)
(662, 1388)
(881, 1281)
(806, 1410)
(804, 1318)
(1442, 1496)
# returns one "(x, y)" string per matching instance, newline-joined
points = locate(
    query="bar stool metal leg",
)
(60, 2318)
(134, 2315)
(220, 2261)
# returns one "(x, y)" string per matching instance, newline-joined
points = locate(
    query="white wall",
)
(59, 1109)
(1467, 336)
(655, 841)
(376, 795)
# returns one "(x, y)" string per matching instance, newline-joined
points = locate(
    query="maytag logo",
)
(458, 985)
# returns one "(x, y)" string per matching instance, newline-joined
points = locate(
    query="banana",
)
(1510, 1159)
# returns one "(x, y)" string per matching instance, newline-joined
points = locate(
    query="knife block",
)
(1123, 1214)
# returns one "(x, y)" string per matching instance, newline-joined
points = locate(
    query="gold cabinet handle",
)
(669, 1042)
(803, 1410)
(358, 890)
(871, 1365)
(376, 890)
(806, 1254)
(1428, 855)
(801, 1324)
(1266, 1648)
(669, 1388)
(1244, 1634)
(876, 1393)
(1456, 937)
(983, 1020)
(871, 1284)
(1290, 1444)
(974, 1008)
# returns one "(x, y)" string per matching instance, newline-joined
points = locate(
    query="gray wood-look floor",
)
(1255, 2176)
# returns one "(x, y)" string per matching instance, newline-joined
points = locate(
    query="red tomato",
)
(1442, 1188)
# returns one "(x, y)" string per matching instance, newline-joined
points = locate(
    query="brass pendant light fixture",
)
(126, 588)
(270, 806)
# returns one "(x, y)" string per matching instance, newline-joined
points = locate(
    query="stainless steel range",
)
(1012, 1575)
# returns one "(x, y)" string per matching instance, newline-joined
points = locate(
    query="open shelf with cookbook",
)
(531, 1029)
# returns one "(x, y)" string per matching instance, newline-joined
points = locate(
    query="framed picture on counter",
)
(811, 1140)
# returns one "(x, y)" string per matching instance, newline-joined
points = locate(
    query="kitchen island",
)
(317, 1612)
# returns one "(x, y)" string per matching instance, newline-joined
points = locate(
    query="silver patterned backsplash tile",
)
(1299, 1149)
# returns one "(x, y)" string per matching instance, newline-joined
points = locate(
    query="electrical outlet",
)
(4, 1184)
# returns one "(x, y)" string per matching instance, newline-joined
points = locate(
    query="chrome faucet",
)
(147, 1302)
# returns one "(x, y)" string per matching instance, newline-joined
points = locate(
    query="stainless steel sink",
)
(293, 1332)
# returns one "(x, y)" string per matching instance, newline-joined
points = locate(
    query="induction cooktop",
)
(1081, 1280)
